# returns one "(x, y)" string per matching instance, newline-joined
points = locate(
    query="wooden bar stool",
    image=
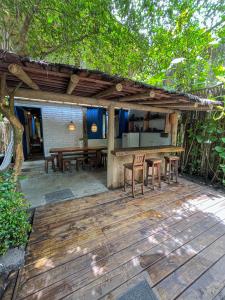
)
(173, 162)
(50, 159)
(136, 165)
(154, 163)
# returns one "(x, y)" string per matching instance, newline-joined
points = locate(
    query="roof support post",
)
(174, 125)
(84, 119)
(111, 145)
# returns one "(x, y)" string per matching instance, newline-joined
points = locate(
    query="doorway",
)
(31, 119)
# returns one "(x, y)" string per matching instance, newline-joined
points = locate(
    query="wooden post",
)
(111, 142)
(174, 125)
(85, 136)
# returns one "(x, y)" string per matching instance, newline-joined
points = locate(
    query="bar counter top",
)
(147, 150)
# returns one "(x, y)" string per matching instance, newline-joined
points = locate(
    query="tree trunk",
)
(9, 113)
(18, 139)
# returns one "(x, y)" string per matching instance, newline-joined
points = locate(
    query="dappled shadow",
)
(183, 227)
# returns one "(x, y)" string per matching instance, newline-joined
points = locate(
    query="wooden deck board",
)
(95, 247)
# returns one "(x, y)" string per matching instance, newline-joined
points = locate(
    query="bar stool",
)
(173, 162)
(50, 159)
(136, 165)
(153, 163)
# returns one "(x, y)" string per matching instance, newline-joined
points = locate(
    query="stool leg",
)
(172, 169)
(165, 171)
(176, 170)
(169, 172)
(133, 183)
(46, 166)
(124, 174)
(159, 174)
(143, 178)
(153, 176)
(146, 179)
(53, 165)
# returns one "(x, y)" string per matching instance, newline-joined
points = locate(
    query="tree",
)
(136, 39)
(7, 109)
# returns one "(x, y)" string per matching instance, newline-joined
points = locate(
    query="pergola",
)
(59, 83)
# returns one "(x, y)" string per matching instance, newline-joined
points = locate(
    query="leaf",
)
(223, 139)
(199, 139)
(219, 149)
(222, 155)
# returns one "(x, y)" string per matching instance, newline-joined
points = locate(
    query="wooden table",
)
(61, 151)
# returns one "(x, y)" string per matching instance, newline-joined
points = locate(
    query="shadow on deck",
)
(99, 246)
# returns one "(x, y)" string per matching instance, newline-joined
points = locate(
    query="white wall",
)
(103, 142)
(55, 118)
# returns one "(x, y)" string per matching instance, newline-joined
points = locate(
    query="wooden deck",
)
(97, 247)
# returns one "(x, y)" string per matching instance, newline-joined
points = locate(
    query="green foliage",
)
(14, 225)
(136, 39)
(206, 147)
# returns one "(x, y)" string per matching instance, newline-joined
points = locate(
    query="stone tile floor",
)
(37, 185)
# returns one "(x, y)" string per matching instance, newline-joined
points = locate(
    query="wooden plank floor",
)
(97, 247)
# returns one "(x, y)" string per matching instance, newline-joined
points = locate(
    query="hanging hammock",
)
(8, 154)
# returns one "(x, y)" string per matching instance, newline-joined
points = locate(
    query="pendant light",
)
(71, 126)
(94, 127)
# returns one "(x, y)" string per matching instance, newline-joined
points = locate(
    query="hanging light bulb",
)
(71, 126)
(94, 128)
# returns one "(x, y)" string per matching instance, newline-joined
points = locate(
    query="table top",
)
(153, 149)
(77, 149)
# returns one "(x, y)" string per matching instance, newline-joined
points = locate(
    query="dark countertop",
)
(147, 150)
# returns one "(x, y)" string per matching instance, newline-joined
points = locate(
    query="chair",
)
(92, 160)
(136, 165)
(154, 163)
(50, 159)
(80, 161)
(173, 162)
(66, 164)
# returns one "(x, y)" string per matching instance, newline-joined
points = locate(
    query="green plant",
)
(14, 224)
(221, 152)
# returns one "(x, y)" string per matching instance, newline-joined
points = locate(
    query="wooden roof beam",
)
(190, 106)
(158, 102)
(187, 104)
(109, 91)
(18, 71)
(74, 79)
(31, 95)
(142, 96)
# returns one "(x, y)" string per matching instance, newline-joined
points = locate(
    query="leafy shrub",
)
(14, 224)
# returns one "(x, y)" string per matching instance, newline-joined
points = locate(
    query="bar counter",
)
(125, 155)
(147, 150)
